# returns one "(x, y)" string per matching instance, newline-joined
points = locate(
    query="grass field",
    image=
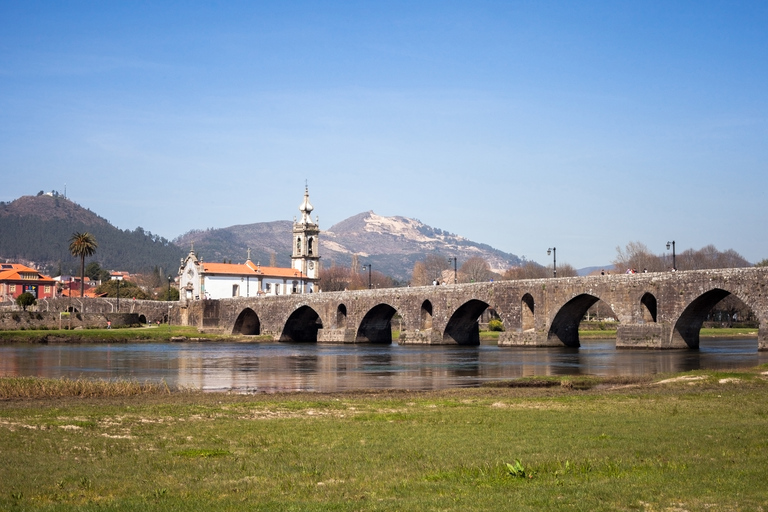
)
(690, 442)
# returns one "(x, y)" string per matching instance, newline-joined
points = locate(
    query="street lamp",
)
(674, 265)
(368, 266)
(553, 252)
(118, 293)
(455, 277)
(169, 287)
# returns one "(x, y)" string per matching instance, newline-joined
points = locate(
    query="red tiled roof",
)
(14, 271)
(250, 269)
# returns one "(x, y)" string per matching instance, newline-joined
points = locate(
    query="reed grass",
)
(15, 388)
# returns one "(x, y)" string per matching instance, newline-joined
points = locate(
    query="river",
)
(272, 367)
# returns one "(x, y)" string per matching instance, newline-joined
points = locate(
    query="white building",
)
(203, 280)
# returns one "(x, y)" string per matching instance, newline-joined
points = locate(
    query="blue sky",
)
(523, 125)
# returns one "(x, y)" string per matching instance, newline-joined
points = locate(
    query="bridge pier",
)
(762, 337)
(420, 337)
(336, 336)
(528, 338)
(650, 335)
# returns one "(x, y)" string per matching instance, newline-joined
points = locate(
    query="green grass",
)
(693, 444)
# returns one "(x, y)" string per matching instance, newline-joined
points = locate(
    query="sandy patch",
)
(684, 378)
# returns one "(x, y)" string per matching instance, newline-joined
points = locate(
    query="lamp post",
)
(455, 275)
(553, 252)
(674, 263)
(118, 294)
(169, 287)
(368, 266)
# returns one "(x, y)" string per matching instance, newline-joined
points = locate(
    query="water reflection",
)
(291, 367)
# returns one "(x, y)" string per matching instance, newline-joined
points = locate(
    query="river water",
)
(272, 367)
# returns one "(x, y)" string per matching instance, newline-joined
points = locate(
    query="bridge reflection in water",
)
(272, 367)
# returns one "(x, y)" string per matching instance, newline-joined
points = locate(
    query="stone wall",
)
(661, 310)
(28, 320)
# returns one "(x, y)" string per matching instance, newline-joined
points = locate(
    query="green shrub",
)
(495, 325)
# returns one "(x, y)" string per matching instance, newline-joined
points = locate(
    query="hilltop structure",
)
(203, 280)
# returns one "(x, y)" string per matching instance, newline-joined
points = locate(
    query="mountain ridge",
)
(36, 229)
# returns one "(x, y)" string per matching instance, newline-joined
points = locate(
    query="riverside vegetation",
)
(695, 441)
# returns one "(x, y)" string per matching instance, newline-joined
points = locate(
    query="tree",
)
(475, 270)
(26, 299)
(419, 274)
(82, 245)
(128, 290)
(566, 270)
(528, 270)
(335, 279)
(763, 263)
(434, 265)
(637, 256)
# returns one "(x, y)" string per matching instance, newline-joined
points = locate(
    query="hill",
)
(391, 244)
(37, 229)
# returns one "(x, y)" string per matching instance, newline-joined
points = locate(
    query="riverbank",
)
(165, 333)
(693, 441)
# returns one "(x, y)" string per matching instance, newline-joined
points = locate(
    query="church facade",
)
(203, 280)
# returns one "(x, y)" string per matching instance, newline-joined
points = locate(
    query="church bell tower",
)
(306, 246)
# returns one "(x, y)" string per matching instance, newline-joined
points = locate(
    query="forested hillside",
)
(37, 229)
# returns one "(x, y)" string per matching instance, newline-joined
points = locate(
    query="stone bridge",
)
(654, 310)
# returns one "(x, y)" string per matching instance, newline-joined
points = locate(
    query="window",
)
(47, 289)
(12, 288)
(269, 287)
(235, 290)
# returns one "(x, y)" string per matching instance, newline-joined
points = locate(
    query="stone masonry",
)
(654, 310)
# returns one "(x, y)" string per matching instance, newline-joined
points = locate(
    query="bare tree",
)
(637, 256)
(709, 257)
(528, 270)
(335, 279)
(565, 270)
(419, 274)
(434, 266)
(475, 270)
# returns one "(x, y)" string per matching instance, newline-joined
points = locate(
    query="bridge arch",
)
(565, 325)
(247, 323)
(463, 326)
(341, 316)
(689, 322)
(650, 310)
(302, 326)
(376, 326)
(528, 312)
(425, 320)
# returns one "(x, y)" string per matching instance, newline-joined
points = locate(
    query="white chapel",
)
(203, 280)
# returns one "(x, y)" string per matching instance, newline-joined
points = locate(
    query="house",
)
(203, 280)
(16, 279)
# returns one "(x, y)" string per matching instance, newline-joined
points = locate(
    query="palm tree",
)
(82, 245)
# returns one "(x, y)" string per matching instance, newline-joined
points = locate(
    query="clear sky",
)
(522, 125)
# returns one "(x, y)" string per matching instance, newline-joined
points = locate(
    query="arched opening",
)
(717, 306)
(341, 316)
(142, 319)
(302, 326)
(247, 323)
(565, 326)
(463, 326)
(527, 314)
(376, 326)
(425, 320)
(649, 312)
